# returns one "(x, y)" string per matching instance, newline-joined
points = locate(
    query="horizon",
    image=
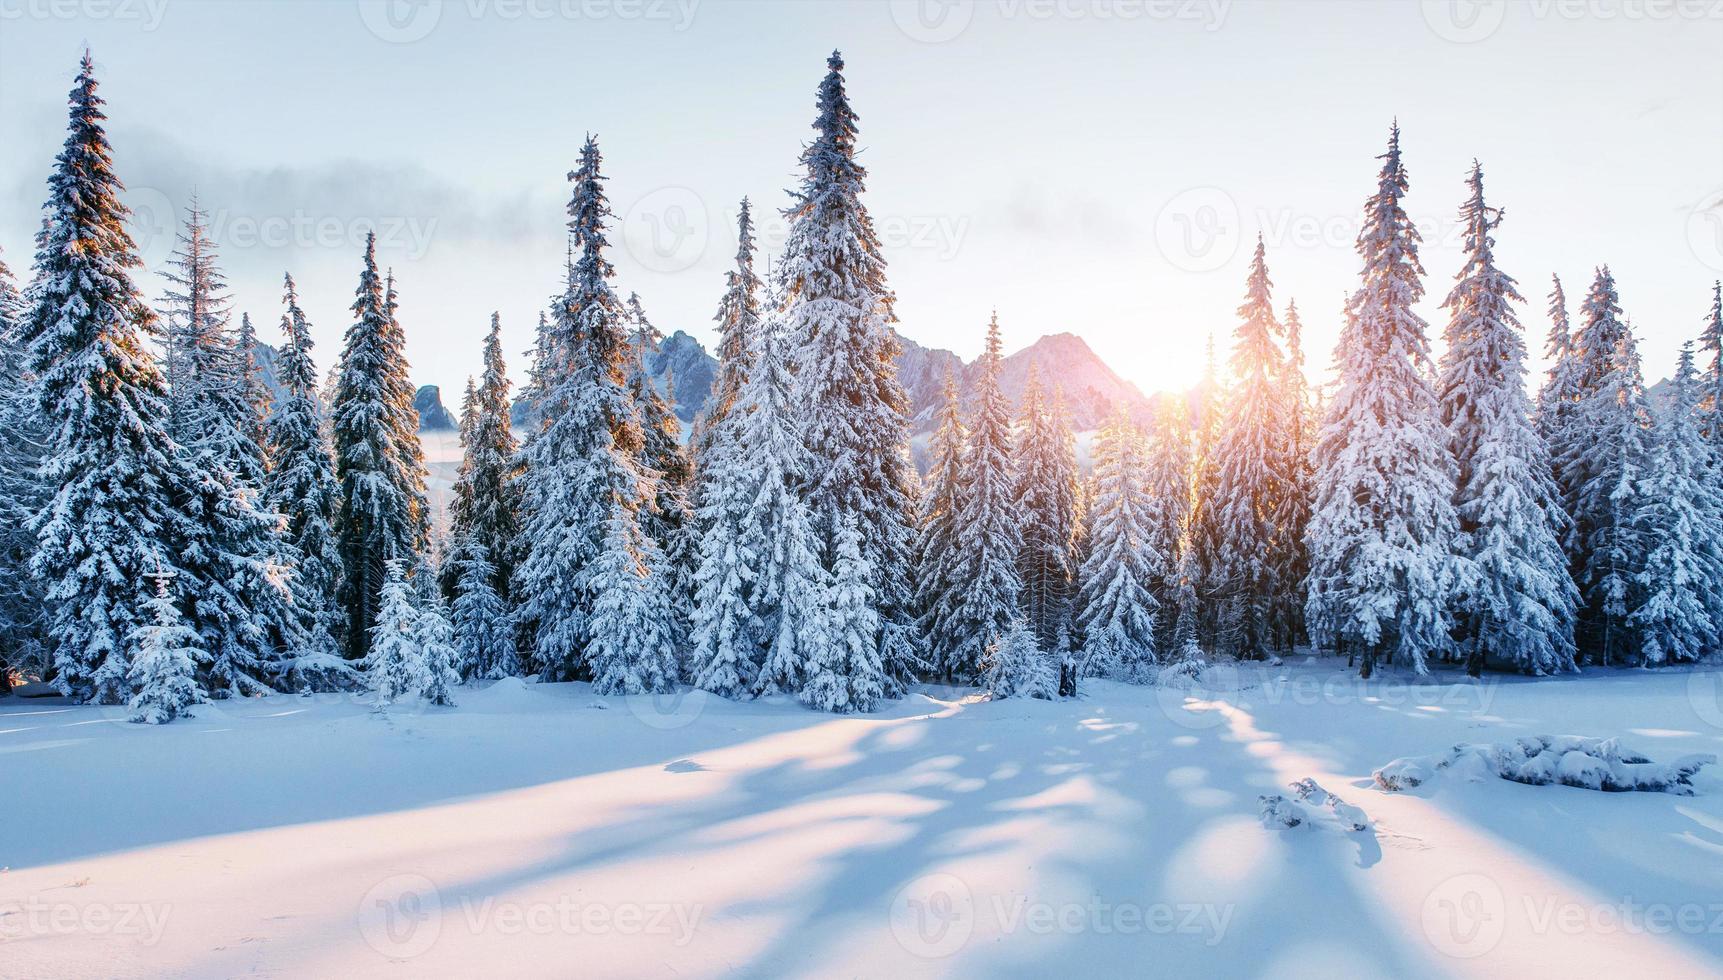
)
(1143, 257)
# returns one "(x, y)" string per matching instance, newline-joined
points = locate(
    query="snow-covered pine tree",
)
(378, 461)
(938, 587)
(987, 587)
(727, 628)
(583, 488)
(486, 508)
(301, 487)
(109, 463)
(1045, 502)
(163, 674)
(1517, 609)
(1711, 393)
(1560, 388)
(1253, 475)
(738, 318)
(1292, 517)
(1168, 486)
(854, 413)
(254, 395)
(1601, 474)
(434, 636)
(1015, 666)
(238, 587)
(667, 520)
(1116, 610)
(1383, 532)
(395, 665)
(845, 672)
(483, 632)
(1681, 519)
(22, 495)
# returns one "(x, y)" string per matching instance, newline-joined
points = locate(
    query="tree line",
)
(173, 533)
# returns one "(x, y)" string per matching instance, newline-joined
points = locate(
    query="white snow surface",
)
(525, 834)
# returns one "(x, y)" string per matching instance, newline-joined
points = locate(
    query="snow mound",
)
(1570, 760)
(506, 693)
(1278, 812)
(1349, 816)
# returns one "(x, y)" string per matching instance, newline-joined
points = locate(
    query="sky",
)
(1094, 166)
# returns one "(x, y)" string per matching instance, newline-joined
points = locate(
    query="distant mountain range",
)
(685, 372)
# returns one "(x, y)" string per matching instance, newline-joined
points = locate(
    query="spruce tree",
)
(1711, 395)
(395, 664)
(1292, 515)
(1253, 475)
(239, 587)
(1517, 609)
(592, 585)
(668, 520)
(301, 487)
(109, 464)
(1203, 532)
(378, 461)
(1167, 484)
(482, 628)
(1016, 666)
(1681, 584)
(486, 507)
(1383, 532)
(1045, 502)
(844, 670)
(938, 588)
(163, 675)
(988, 540)
(434, 636)
(1601, 476)
(22, 494)
(854, 412)
(738, 319)
(1117, 611)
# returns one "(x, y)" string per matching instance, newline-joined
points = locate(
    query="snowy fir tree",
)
(1383, 531)
(378, 462)
(486, 508)
(1044, 501)
(1711, 393)
(1292, 514)
(738, 319)
(1517, 609)
(1167, 484)
(1600, 469)
(938, 587)
(301, 487)
(109, 464)
(668, 520)
(589, 565)
(1677, 618)
(1203, 528)
(483, 631)
(23, 494)
(855, 418)
(163, 674)
(239, 589)
(434, 636)
(988, 540)
(395, 664)
(1116, 616)
(1253, 475)
(1015, 666)
(1560, 390)
(845, 673)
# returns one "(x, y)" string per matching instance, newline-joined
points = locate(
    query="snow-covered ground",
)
(541, 831)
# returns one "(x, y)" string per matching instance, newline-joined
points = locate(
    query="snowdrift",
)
(1542, 760)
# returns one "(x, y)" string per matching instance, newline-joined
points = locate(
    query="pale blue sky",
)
(1083, 165)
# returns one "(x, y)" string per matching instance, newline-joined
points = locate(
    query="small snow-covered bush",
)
(1540, 760)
